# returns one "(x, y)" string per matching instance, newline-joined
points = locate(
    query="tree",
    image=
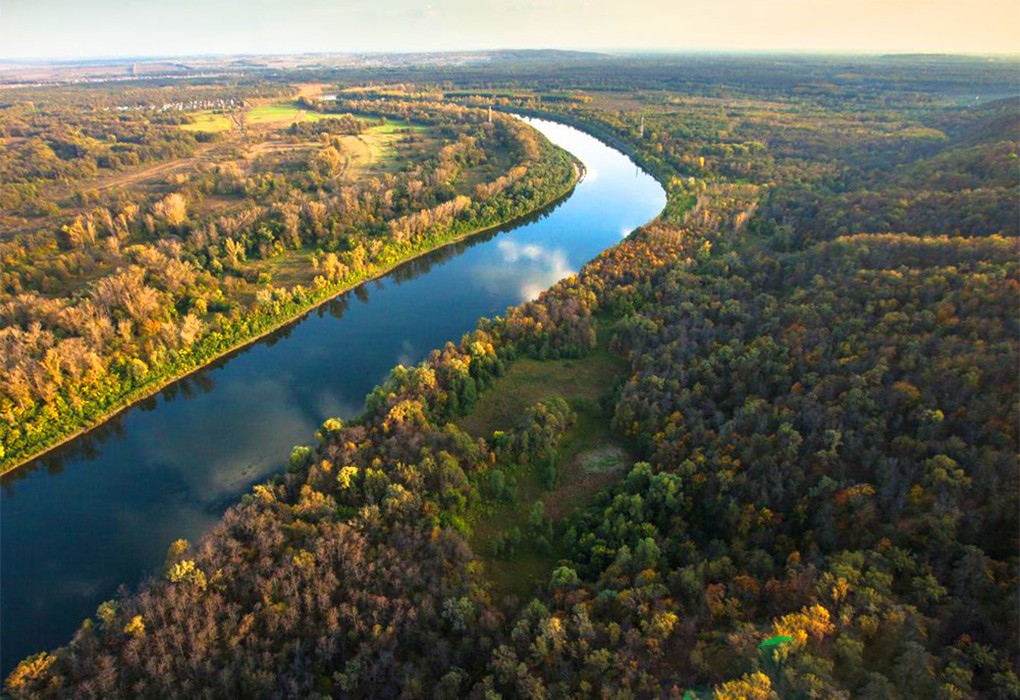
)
(172, 210)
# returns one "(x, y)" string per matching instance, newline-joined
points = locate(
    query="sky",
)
(106, 28)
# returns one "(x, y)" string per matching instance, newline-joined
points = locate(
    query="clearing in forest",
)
(209, 121)
(386, 147)
(589, 455)
(281, 114)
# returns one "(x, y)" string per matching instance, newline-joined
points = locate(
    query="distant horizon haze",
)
(594, 52)
(113, 29)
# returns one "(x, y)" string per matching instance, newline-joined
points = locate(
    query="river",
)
(100, 511)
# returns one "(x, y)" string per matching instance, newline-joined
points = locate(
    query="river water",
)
(100, 512)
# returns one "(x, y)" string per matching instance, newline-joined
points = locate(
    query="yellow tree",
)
(173, 209)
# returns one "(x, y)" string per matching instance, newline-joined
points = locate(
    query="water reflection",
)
(101, 510)
(543, 265)
(87, 446)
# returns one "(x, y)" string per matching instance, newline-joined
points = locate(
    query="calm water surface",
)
(101, 511)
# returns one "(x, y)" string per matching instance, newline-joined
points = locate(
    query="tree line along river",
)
(101, 510)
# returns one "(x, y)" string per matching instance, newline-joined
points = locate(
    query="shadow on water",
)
(87, 446)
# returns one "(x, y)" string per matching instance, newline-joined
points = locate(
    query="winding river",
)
(100, 511)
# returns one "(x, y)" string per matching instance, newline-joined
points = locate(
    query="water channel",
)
(100, 511)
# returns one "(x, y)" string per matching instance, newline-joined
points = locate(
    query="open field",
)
(384, 148)
(288, 269)
(589, 459)
(209, 121)
(529, 381)
(589, 456)
(281, 113)
(379, 149)
(374, 151)
(274, 114)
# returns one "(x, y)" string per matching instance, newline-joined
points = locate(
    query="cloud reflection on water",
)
(527, 267)
(104, 510)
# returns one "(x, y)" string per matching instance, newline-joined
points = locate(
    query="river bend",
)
(100, 511)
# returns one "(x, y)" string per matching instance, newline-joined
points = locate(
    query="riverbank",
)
(657, 167)
(198, 360)
(103, 509)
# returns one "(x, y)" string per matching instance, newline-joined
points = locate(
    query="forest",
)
(764, 447)
(136, 249)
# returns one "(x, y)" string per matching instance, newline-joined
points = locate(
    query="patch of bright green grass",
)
(375, 150)
(282, 113)
(390, 126)
(209, 121)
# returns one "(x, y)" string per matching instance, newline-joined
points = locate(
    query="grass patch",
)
(603, 460)
(380, 149)
(281, 113)
(589, 455)
(521, 576)
(209, 122)
(589, 443)
(275, 114)
(289, 269)
(391, 126)
(369, 153)
(529, 381)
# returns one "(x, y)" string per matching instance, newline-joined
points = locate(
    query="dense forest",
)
(133, 252)
(806, 369)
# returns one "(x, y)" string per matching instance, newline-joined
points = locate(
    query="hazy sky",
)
(76, 28)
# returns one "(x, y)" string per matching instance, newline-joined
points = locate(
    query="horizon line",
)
(609, 52)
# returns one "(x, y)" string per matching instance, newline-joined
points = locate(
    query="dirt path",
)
(159, 170)
(64, 192)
